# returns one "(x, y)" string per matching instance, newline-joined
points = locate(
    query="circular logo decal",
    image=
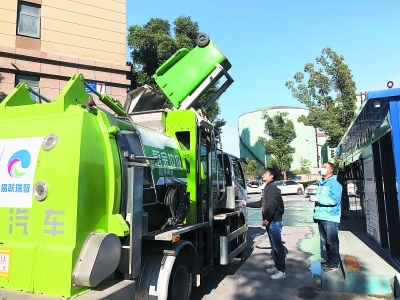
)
(19, 161)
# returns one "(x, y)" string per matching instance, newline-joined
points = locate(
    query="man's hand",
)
(265, 223)
(243, 202)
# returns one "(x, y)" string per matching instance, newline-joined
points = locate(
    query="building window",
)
(28, 20)
(33, 82)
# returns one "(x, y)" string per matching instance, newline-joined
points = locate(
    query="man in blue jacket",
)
(327, 214)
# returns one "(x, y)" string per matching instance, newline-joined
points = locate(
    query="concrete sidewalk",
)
(365, 267)
(250, 281)
(246, 278)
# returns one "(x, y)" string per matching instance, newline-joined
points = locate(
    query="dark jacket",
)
(271, 202)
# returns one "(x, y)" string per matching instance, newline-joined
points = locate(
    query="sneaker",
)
(272, 270)
(330, 269)
(278, 275)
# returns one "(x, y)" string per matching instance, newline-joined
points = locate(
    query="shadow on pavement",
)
(245, 277)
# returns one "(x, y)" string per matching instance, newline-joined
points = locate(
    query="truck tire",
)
(299, 191)
(202, 40)
(180, 282)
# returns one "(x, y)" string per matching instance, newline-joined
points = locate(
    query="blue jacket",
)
(329, 194)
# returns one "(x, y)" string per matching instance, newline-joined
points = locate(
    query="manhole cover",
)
(351, 263)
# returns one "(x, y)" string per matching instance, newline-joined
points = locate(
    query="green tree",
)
(305, 166)
(338, 164)
(272, 162)
(281, 132)
(249, 168)
(329, 94)
(153, 43)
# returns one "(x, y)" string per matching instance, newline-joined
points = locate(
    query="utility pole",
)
(316, 143)
(311, 164)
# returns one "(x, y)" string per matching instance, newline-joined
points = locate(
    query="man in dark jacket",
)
(272, 211)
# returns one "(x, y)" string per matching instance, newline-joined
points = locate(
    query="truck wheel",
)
(299, 191)
(180, 282)
(202, 40)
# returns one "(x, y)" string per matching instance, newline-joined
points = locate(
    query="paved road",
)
(245, 278)
(297, 211)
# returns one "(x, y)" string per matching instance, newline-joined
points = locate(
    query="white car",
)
(254, 187)
(312, 189)
(289, 187)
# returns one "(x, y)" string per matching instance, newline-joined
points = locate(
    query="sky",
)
(268, 41)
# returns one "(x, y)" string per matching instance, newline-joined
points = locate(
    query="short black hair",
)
(332, 166)
(273, 172)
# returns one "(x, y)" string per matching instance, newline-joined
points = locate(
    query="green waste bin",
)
(183, 72)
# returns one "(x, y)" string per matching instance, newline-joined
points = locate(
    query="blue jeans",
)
(329, 234)
(274, 233)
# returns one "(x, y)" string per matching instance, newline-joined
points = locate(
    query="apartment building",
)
(45, 42)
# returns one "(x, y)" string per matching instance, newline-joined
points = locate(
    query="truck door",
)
(239, 179)
(234, 175)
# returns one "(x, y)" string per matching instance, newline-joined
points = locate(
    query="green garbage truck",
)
(114, 201)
